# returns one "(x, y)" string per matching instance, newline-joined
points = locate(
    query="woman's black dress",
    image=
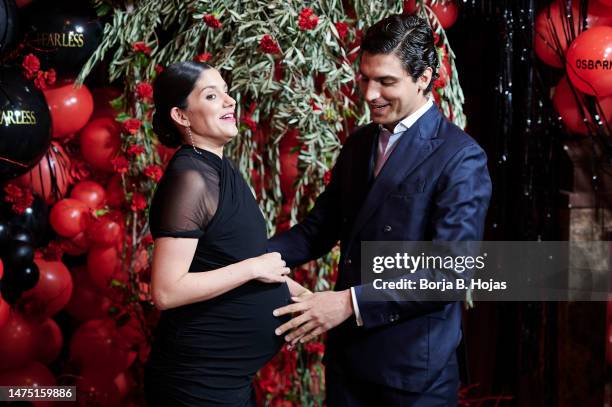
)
(206, 353)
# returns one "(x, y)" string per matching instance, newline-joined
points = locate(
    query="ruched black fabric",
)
(206, 353)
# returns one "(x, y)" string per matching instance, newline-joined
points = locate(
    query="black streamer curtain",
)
(517, 349)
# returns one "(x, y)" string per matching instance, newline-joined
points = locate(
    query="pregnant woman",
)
(211, 276)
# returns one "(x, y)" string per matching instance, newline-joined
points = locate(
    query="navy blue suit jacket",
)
(434, 186)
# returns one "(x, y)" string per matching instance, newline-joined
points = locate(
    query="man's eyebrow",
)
(381, 78)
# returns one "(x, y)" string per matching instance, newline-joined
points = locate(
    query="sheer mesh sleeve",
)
(185, 200)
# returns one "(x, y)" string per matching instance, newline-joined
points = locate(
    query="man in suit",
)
(410, 175)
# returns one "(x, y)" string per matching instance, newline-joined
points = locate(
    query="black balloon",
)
(63, 34)
(20, 279)
(34, 220)
(8, 24)
(4, 235)
(25, 124)
(20, 234)
(18, 255)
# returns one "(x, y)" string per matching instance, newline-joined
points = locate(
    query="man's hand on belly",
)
(316, 313)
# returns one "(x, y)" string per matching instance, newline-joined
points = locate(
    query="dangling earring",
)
(192, 142)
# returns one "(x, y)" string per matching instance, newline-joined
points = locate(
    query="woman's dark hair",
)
(410, 38)
(171, 89)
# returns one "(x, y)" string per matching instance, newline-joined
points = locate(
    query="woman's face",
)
(210, 110)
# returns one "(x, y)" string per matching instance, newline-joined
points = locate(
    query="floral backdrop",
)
(291, 66)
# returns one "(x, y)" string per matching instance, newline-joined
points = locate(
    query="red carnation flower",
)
(139, 202)
(31, 65)
(131, 126)
(140, 46)
(144, 91)
(269, 45)
(159, 69)
(252, 124)
(147, 240)
(204, 57)
(154, 172)
(50, 77)
(212, 21)
(54, 251)
(21, 198)
(315, 347)
(314, 105)
(307, 20)
(44, 79)
(135, 149)
(342, 29)
(327, 177)
(120, 164)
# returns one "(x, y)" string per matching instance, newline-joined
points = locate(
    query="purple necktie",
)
(383, 140)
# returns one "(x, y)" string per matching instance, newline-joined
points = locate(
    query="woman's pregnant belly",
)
(231, 335)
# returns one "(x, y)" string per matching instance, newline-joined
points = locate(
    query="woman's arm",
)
(172, 285)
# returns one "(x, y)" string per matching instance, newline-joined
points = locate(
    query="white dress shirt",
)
(385, 151)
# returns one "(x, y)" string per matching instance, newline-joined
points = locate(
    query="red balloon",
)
(86, 302)
(70, 108)
(598, 14)
(96, 389)
(5, 311)
(49, 341)
(100, 143)
(446, 11)
(589, 61)
(90, 193)
(17, 340)
(1, 269)
(550, 34)
(115, 197)
(69, 217)
(52, 292)
(33, 374)
(409, 6)
(565, 104)
(99, 346)
(125, 383)
(76, 245)
(102, 98)
(50, 178)
(551, 31)
(606, 2)
(106, 230)
(103, 265)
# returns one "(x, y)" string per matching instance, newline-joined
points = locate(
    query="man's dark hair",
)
(408, 37)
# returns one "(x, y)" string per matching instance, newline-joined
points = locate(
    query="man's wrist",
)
(348, 301)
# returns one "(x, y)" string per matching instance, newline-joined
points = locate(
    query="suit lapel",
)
(414, 147)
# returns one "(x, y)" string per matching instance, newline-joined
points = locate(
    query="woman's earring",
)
(192, 142)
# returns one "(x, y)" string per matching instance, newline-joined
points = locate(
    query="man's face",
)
(388, 89)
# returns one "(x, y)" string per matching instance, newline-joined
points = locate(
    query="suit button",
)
(347, 261)
(387, 228)
(392, 318)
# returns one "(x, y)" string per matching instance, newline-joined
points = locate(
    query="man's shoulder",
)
(455, 138)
